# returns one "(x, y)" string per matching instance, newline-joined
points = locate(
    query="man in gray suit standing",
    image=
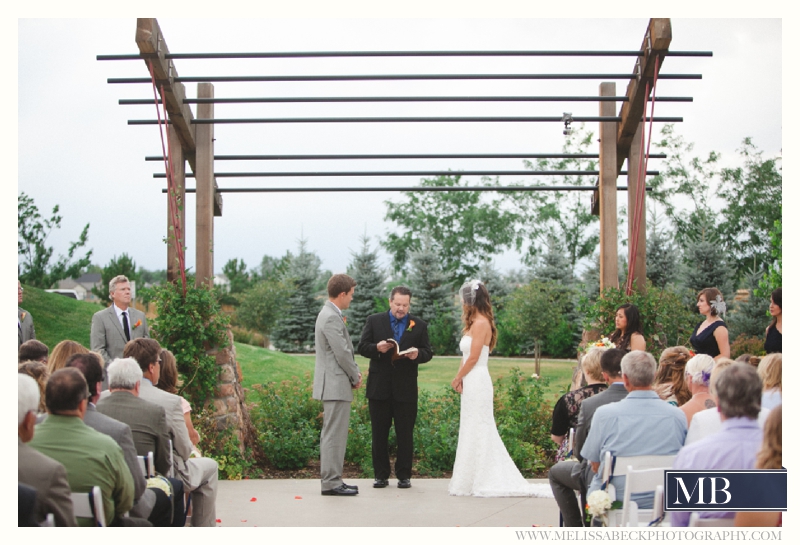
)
(113, 327)
(568, 476)
(25, 331)
(336, 375)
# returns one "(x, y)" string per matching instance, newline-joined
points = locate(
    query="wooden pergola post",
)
(608, 191)
(176, 232)
(640, 252)
(204, 177)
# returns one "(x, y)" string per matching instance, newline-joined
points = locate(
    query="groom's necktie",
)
(125, 325)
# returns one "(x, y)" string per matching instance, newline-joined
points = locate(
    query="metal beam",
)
(542, 119)
(427, 189)
(376, 173)
(319, 157)
(282, 100)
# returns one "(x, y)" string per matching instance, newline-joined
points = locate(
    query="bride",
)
(483, 467)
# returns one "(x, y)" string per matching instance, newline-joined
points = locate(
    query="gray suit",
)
(147, 421)
(199, 475)
(107, 337)
(25, 331)
(568, 476)
(49, 478)
(335, 372)
(144, 499)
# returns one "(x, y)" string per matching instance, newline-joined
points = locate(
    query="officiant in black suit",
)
(392, 383)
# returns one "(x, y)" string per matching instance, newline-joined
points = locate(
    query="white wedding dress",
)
(483, 466)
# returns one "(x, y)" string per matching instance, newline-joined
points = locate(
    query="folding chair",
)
(49, 521)
(147, 465)
(638, 481)
(619, 466)
(171, 461)
(89, 505)
(695, 520)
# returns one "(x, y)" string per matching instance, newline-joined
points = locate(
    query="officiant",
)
(392, 383)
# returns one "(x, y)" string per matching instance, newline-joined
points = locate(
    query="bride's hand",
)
(457, 384)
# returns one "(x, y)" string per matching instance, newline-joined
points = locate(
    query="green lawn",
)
(260, 366)
(56, 317)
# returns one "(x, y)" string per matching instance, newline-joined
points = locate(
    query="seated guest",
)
(38, 372)
(147, 421)
(26, 506)
(708, 422)
(199, 475)
(738, 389)
(641, 424)
(168, 381)
(670, 384)
(698, 374)
(33, 350)
(149, 503)
(90, 457)
(570, 475)
(565, 413)
(36, 470)
(62, 352)
(769, 369)
(769, 457)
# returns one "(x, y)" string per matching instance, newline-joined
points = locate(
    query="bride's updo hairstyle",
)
(475, 300)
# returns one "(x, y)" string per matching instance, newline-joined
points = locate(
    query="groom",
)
(392, 383)
(336, 375)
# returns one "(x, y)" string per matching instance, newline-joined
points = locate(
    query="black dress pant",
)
(404, 414)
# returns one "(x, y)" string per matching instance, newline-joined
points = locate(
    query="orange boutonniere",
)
(692, 354)
(137, 324)
(411, 325)
(22, 318)
(344, 319)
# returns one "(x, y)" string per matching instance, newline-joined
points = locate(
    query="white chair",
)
(571, 444)
(89, 505)
(696, 521)
(639, 481)
(620, 466)
(49, 521)
(147, 465)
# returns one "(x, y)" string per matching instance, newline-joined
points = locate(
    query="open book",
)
(398, 354)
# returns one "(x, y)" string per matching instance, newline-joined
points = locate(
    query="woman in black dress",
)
(774, 340)
(711, 335)
(628, 335)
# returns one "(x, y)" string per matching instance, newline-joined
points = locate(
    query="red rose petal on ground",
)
(253, 499)
(243, 520)
(219, 520)
(298, 497)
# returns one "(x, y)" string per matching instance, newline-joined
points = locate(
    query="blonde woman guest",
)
(38, 372)
(698, 376)
(769, 369)
(168, 381)
(62, 352)
(711, 335)
(670, 384)
(774, 334)
(565, 413)
(769, 457)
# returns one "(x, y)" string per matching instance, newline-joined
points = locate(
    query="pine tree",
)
(749, 316)
(432, 298)
(295, 331)
(370, 289)
(662, 258)
(706, 266)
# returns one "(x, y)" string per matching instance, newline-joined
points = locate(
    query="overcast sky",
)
(76, 149)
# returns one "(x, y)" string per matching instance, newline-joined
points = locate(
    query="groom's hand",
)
(357, 385)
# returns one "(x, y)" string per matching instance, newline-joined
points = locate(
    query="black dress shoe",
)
(404, 483)
(340, 491)
(380, 483)
(350, 486)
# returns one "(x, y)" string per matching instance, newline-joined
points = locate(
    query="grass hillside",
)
(261, 366)
(56, 317)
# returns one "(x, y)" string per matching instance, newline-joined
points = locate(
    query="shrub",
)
(222, 445)
(436, 431)
(747, 345)
(247, 336)
(190, 323)
(287, 422)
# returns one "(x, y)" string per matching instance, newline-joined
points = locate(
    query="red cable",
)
(170, 183)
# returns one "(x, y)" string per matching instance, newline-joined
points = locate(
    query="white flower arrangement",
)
(602, 343)
(598, 503)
